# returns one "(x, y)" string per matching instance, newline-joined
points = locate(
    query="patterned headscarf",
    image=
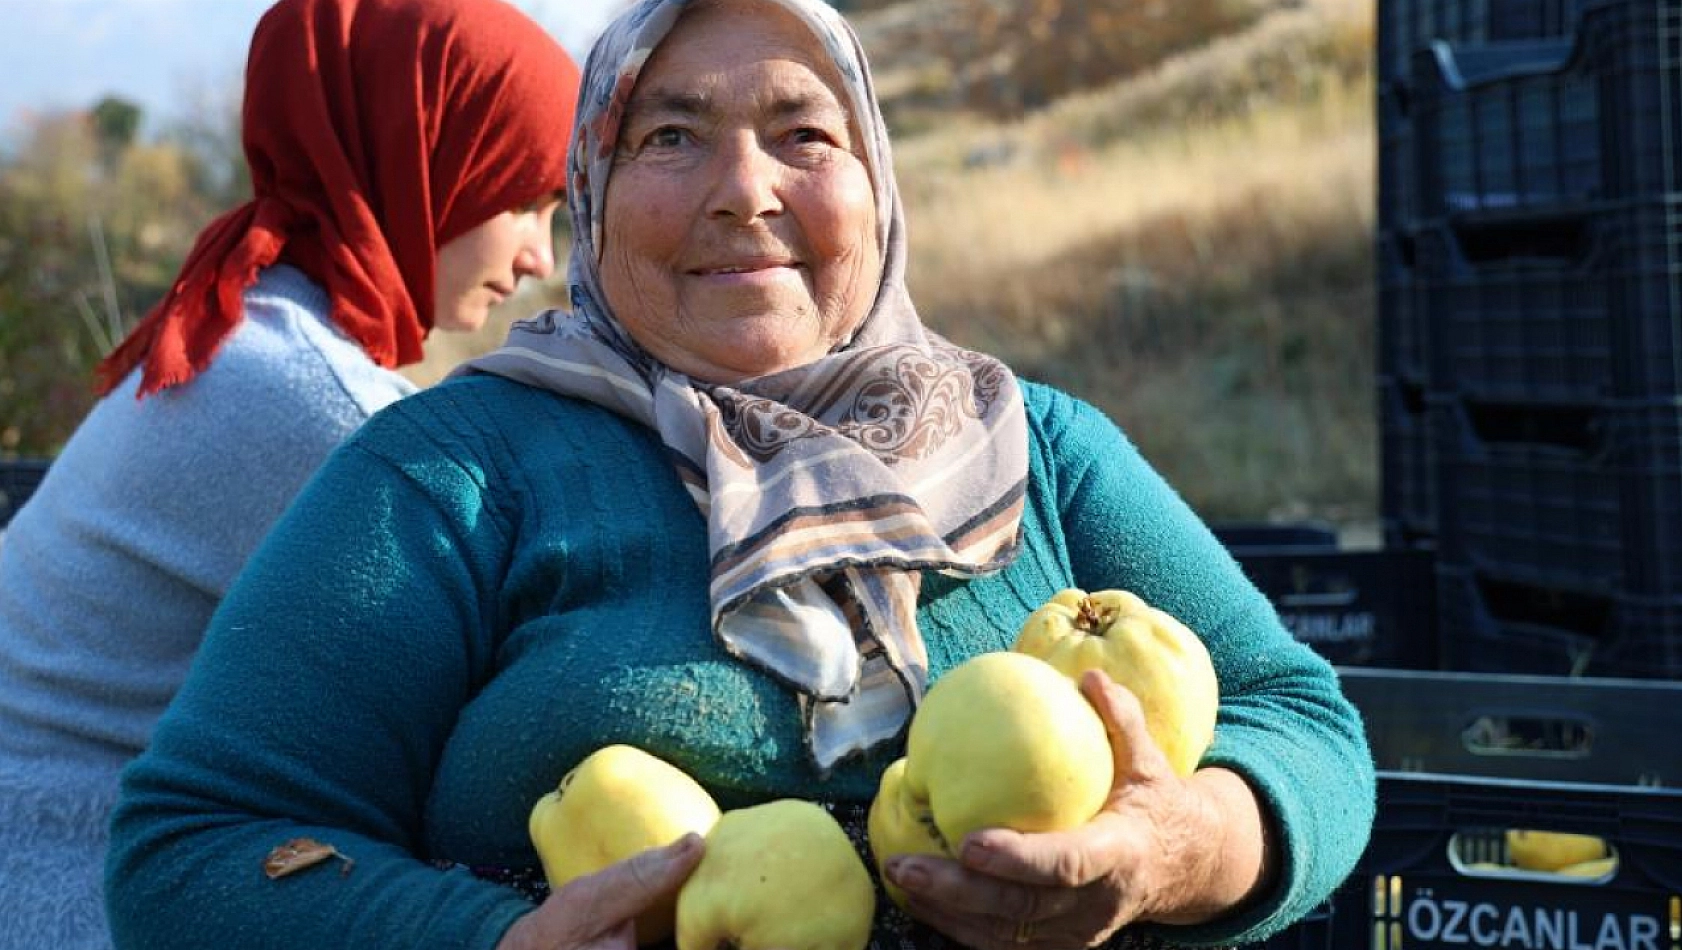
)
(827, 488)
(376, 131)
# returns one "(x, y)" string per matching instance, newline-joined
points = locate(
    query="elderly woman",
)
(737, 509)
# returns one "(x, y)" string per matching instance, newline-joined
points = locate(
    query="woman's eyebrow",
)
(668, 102)
(689, 104)
(806, 104)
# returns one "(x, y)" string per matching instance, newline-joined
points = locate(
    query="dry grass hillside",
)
(1188, 247)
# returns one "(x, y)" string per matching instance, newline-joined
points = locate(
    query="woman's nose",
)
(537, 256)
(745, 188)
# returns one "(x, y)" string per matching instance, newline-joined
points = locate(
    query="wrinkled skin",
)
(599, 911)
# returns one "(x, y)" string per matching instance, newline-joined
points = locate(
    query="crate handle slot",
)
(1578, 430)
(1532, 854)
(1530, 735)
(1552, 240)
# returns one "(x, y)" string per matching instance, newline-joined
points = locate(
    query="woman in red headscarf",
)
(406, 157)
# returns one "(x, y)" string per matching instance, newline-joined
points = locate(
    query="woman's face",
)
(739, 224)
(480, 268)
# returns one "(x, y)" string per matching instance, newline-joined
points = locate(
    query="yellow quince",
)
(900, 824)
(620, 800)
(1551, 850)
(1142, 648)
(1591, 870)
(777, 876)
(1001, 740)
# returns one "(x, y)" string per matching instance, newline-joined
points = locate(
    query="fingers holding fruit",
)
(619, 802)
(599, 911)
(1032, 810)
(1138, 758)
(759, 862)
(982, 909)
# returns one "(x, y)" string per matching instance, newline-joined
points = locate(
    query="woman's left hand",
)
(1154, 852)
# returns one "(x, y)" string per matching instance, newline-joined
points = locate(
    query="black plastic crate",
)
(1582, 499)
(1530, 495)
(1563, 308)
(18, 479)
(1521, 310)
(1461, 758)
(1573, 308)
(1531, 19)
(1580, 730)
(1649, 641)
(1544, 124)
(1490, 625)
(1407, 477)
(1360, 607)
(1396, 186)
(1644, 285)
(1416, 889)
(1404, 27)
(1504, 127)
(1270, 536)
(1464, 757)
(1403, 322)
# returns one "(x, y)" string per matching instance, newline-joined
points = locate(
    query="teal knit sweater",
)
(488, 582)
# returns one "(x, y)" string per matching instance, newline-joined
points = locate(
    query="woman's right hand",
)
(599, 911)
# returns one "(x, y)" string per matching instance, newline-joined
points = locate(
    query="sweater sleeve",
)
(318, 708)
(1283, 723)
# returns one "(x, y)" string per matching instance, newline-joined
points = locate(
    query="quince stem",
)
(1090, 617)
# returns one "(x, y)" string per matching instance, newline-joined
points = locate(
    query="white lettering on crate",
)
(1329, 628)
(1485, 924)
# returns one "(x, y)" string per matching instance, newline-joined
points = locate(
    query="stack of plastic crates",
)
(1530, 262)
(1470, 765)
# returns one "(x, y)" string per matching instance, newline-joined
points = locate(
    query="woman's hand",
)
(599, 911)
(1162, 849)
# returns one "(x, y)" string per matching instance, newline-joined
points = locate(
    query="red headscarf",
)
(376, 131)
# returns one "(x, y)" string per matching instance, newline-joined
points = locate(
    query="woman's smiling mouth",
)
(747, 272)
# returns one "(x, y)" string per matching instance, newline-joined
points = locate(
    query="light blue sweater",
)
(109, 575)
(488, 581)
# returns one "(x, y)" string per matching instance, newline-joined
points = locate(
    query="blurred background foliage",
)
(94, 223)
(1164, 206)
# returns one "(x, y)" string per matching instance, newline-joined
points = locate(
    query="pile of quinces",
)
(1005, 739)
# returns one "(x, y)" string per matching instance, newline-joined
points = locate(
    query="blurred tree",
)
(115, 121)
(92, 227)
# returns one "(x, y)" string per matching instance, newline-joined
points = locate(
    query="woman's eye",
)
(809, 135)
(667, 136)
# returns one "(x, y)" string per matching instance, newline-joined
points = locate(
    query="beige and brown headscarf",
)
(827, 488)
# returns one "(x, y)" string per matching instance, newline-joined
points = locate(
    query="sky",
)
(67, 54)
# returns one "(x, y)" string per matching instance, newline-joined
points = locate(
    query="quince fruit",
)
(1551, 850)
(777, 876)
(1001, 740)
(619, 801)
(900, 825)
(1142, 648)
(1591, 870)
